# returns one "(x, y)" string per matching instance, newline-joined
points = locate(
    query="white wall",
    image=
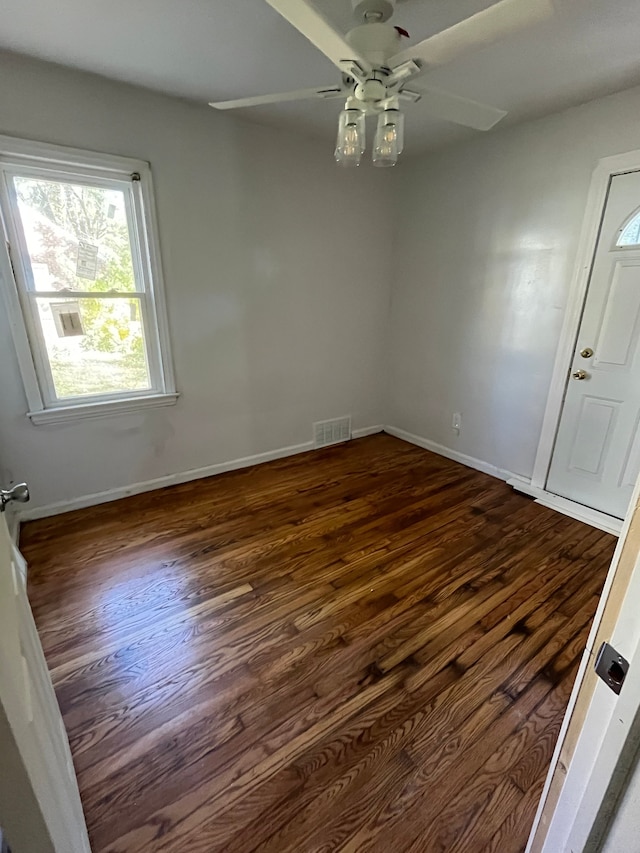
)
(623, 835)
(487, 239)
(277, 295)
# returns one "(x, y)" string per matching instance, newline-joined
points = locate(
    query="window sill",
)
(63, 414)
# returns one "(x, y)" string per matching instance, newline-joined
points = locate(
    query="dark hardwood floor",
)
(366, 648)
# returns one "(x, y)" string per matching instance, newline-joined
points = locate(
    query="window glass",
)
(77, 236)
(86, 307)
(630, 233)
(94, 346)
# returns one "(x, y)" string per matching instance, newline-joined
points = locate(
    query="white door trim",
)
(567, 507)
(580, 769)
(606, 169)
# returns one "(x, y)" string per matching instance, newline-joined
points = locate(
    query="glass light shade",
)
(389, 139)
(351, 137)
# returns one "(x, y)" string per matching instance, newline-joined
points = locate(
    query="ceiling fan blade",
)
(299, 95)
(459, 110)
(315, 27)
(482, 29)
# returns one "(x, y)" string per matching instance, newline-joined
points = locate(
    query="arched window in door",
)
(629, 234)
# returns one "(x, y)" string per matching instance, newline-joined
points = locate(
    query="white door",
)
(40, 809)
(596, 459)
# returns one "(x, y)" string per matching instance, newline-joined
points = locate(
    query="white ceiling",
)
(218, 49)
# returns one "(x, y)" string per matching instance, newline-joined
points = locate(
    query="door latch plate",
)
(611, 667)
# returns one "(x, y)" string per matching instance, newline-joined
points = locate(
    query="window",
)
(86, 297)
(630, 232)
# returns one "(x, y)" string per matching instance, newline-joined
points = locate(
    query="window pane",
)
(630, 234)
(77, 236)
(95, 346)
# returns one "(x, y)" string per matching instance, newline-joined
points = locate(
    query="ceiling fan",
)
(375, 71)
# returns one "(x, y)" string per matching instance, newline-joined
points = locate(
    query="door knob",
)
(580, 374)
(19, 493)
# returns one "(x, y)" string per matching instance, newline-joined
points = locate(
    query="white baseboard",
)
(441, 450)
(574, 510)
(521, 484)
(362, 433)
(30, 514)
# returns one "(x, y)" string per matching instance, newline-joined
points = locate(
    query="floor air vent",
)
(331, 432)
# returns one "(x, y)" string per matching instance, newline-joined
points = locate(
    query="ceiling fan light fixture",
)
(351, 140)
(374, 71)
(389, 138)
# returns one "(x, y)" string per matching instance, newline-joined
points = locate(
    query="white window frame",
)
(26, 158)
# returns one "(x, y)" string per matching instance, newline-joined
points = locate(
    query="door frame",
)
(606, 169)
(599, 730)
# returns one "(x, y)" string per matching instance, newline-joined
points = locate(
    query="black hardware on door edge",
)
(611, 667)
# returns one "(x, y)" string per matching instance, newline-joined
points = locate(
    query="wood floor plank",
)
(326, 770)
(489, 788)
(363, 648)
(445, 765)
(507, 838)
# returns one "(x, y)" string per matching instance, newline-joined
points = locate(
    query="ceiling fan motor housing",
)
(376, 42)
(367, 10)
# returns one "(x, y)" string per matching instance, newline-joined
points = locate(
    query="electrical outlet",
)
(456, 422)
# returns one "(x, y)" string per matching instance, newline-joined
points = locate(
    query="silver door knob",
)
(19, 493)
(580, 374)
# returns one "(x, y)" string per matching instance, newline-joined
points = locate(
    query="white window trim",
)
(55, 415)
(144, 216)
